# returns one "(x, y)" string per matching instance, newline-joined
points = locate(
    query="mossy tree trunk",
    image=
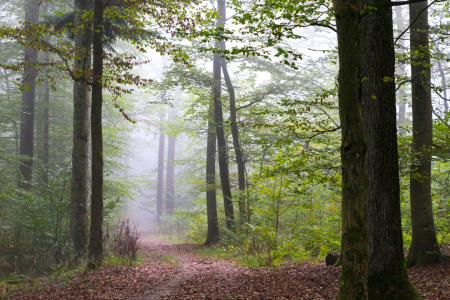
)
(387, 278)
(424, 245)
(355, 245)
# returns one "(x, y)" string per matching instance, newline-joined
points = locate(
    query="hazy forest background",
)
(226, 124)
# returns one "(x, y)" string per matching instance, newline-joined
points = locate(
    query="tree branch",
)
(442, 120)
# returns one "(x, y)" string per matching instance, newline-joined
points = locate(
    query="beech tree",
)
(28, 98)
(424, 245)
(219, 123)
(170, 180)
(211, 200)
(236, 142)
(355, 243)
(79, 218)
(160, 179)
(387, 277)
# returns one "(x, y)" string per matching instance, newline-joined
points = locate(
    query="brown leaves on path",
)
(210, 278)
(110, 282)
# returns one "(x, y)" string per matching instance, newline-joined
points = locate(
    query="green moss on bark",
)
(392, 285)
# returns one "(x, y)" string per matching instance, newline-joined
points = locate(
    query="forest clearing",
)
(214, 149)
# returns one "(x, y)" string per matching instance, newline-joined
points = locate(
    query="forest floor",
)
(179, 272)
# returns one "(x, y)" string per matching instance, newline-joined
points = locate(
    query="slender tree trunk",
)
(223, 161)
(401, 91)
(160, 182)
(424, 245)
(45, 137)
(236, 143)
(42, 143)
(170, 180)
(28, 99)
(211, 201)
(95, 255)
(355, 243)
(387, 278)
(79, 196)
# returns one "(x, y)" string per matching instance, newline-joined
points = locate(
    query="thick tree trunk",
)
(170, 180)
(218, 113)
(424, 245)
(160, 180)
(355, 244)
(211, 201)
(28, 99)
(95, 255)
(236, 143)
(387, 278)
(79, 196)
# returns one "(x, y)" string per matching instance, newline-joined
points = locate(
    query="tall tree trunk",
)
(45, 137)
(236, 143)
(170, 180)
(160, 182)
(79, 196)
(95, 255)
(424, 245)
(211, 201)
(387, 278)
(355, 243)
(28, 99)
(223, 161)
(401, 71)
(42, 143)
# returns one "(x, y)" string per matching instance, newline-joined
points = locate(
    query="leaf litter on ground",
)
(212, 278)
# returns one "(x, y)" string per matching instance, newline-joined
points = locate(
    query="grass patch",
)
(173, 261)
(20, 283)
(173, 239)
(218, 252)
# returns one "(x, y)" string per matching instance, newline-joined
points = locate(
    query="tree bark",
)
(79, 196)
(28, 99)
(160, 180)
(46, 150)
(170, 180)
(424, 245)
(95, 255)
(223, 161)
(355, 243)
(236, 143)
(387, 277)
(42, 144)
(211, 201)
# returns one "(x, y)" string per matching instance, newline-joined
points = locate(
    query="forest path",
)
(188, 266)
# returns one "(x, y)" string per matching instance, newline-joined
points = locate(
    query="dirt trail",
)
(188, 267)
